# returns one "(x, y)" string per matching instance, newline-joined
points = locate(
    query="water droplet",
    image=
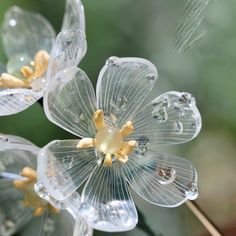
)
(179, 109)
(163, 101)
(122, 101)
(82, 117)
(151, 78)
(166, 175)
(68, 162)
(187, 98)
(3, 139)
(143, 145)
(112, 61)
(178, 127)
(88, 211)
(16, 63)
(160, 115)
(192, 192)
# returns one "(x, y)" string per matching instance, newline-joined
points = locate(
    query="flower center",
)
(110, 140)
(25, 73)
(30, 197)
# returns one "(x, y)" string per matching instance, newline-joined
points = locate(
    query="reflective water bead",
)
(151, 78)
(192, 193)
(178, 127)
(187, 98)
(15, 64)
(160, 115)
(3, 139)
(166, 175)
(112, 61)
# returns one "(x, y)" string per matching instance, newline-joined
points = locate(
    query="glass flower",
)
(21, 209)
(121, 134)
(28, 39)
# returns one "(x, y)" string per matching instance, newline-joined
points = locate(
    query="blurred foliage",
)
(147, 29)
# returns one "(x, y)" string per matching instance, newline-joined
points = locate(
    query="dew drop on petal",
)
(186, 98)
(142, 147)
(192, 192)
(178, 127)
(160, 115)
(3, 139)
(166, 175)
(112, 61)
(179, 109)
(88, 211)
(151, 78)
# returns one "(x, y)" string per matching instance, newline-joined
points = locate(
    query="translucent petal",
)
(13, 216)
(106, 203)
(26, 33)
(123, 84)
(15, 154)
(68, 50)
(82, 228)
(52, 224)
(13, 101)
(70, 102)
(62, 167)
(74, 16)
(171, 118)
(162, 179)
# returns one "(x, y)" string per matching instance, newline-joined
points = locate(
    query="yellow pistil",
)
(40, 65)
(110, 140)
(30, 197)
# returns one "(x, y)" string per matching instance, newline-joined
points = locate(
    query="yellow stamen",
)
(128, 147)
(121, 156)
(98, 119)
(108, 160)
(31, 199)
(39, 211)
(127, 129)
(27, 72)
(109, 140)
(29, 173)
(41, 63)
(86, 143)
(10, 81)
(40, 67)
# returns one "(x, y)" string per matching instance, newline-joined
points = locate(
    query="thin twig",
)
(205, 220)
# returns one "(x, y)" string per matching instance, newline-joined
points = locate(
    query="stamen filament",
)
(98, 119)
(127, 129)
(86, 143)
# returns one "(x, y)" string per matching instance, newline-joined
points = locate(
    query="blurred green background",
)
(147, 29)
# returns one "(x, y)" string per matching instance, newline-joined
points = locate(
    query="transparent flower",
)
(120, 146)
(28, 39)
(21, 209)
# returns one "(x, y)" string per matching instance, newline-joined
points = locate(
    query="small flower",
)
(28, 39)
(120, 147)
(19, 203)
